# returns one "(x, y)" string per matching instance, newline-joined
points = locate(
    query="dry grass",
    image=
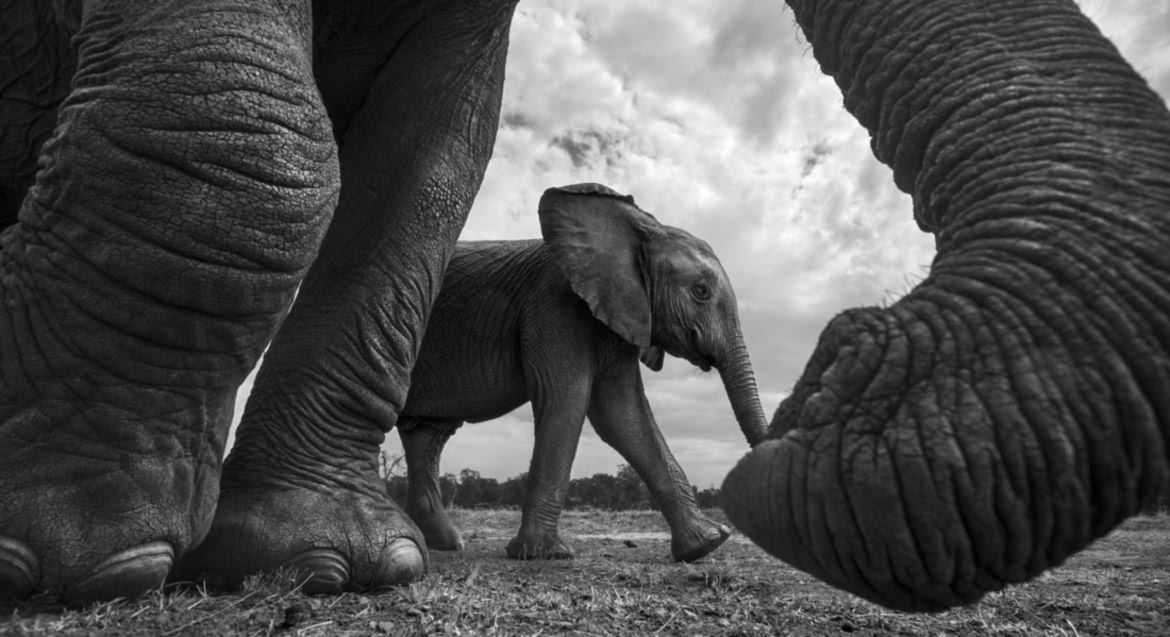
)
(624, 583)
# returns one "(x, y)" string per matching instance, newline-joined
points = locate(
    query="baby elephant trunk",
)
(735, 368)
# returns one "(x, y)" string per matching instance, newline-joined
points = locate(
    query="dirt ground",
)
(623, 583)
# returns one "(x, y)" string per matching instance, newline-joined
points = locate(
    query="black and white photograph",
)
(577, 317)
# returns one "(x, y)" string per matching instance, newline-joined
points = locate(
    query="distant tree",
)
(598, 491)
(392, 470)
(707, 498)
(633, 492)
(513, 489)
(469, 493)
(448, 489)
(396, 489)
(490, 492)
(390, 465)
(477, 491)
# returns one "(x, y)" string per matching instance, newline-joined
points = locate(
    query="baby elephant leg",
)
(622, 417)
(559, 414)
(423, 440)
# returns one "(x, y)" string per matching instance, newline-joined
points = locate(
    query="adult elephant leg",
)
(301, 487)
(422, 441)
(622, 417)
(156, 253)
(1013, 407)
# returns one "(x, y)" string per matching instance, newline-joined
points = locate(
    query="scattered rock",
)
(384, 627)
(297, 613)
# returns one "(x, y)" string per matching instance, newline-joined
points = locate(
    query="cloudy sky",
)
(715, 117)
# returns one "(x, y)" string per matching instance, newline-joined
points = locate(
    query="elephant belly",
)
(470, 395)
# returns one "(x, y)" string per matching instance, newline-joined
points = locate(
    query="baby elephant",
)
(562, 323)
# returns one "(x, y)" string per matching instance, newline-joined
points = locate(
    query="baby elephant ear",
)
(596, 237)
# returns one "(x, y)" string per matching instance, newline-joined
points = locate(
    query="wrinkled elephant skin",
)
(1015, 405)
(193, 180)
(561, 323)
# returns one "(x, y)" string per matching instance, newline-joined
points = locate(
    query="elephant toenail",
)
(407, 563)
(19, 569)
(129, 573)
(322, 571)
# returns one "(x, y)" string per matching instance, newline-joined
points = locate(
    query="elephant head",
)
(656, 286)
(1015, 405)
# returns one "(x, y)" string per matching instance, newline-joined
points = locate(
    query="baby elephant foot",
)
(538, 546)
(437, 528)
(440, 534)
(330, 542)
(698, 540)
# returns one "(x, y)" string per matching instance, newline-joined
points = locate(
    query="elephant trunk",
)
(1013, 407)
(740, 382)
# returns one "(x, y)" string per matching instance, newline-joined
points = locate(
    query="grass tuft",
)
(623, 583)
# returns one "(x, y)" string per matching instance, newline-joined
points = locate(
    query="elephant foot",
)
(330, 542)
(98, 505)
(129, 574)
(698, 540)
(440, 534)
(538, 546)
(19, 569)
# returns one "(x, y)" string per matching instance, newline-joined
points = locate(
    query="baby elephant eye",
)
(701, 291)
